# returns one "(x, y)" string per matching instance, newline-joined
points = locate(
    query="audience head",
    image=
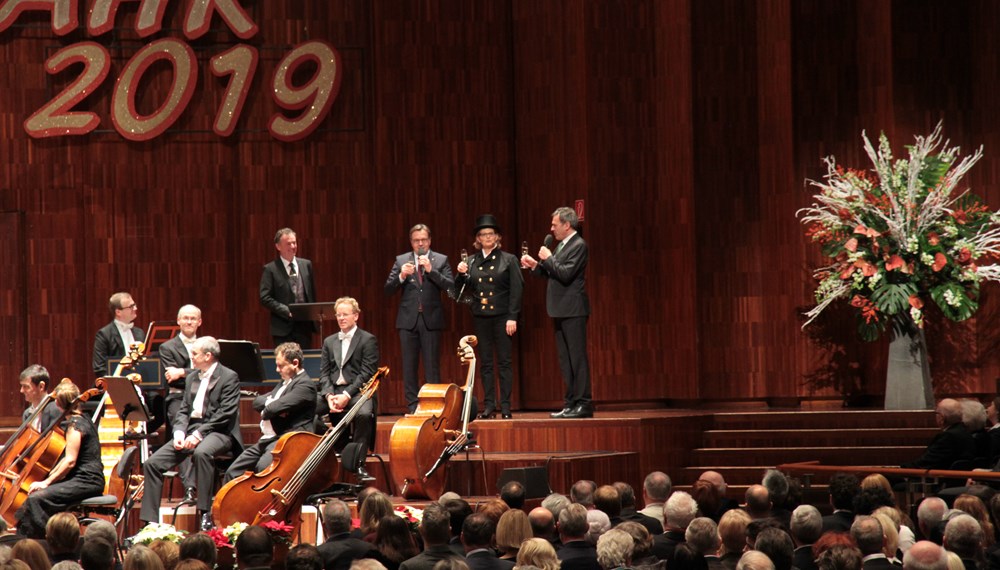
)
(435, 527)
(555, 503)
(777, 487)
(614, 549)
(573, 523)
(538, 553)
(376, 506)
(777, 545)
(168, 551)
(707, 496)
(642, 541)
(679, 510)
(304, 557)
(733, 530)
(867, 500)
(930, 513)
(830, 539)
(890, 533)
(394, 539)
(458, 510)
(32, 553)
(974, 507)
(876, 480)
(367, 564)
(451, 563)
(140, 557)
(598, 524)
(843, 488)
(191, 564)
(806, 524)
(754, 560)
(477, 531)
(62, 533)
(100, 555)
(758, 526)
(974, 415)
(101, 529)
(336, 517)
(512, 493)
(608, 500)
(948, 412)
(702, 535)
(964, 536)
(758, 501)
(493, 508)
(656, 487)
(582, 493)
(715, 478)
(254, 547)
(685, 558)
(840, 557)
(925, 555)
(199, 546)
(543, 524)
(626, 493)
(61, 565)
(867, 534)
(448, 496)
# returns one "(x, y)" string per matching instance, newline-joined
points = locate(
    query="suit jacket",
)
(654, 526)
(221, 411)
(839, 521)
(803, 559)
(359, 366)
(108, 344)
(566, 295)
(494, 284)
(276, 292)
(665, 544)
(578, 555)
(428, 558)
(948, 446)
(880, 563)
(486, 560)
(341, 549)
(174, 354)
(415, 293)
(49, 415)
(294, 410)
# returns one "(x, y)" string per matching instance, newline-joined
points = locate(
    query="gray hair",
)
(614, 549)
(868, 534)
(974, 415)
(567, 215)
(702, 535)
(806, 524)
(336, 517)
(963, 535)
(555, 503)
(679, 510)
(754, 560)
(657, 486)
(208, 345)
(925, 555)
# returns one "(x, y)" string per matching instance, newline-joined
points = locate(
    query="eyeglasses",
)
(486, 234)
(132, 306)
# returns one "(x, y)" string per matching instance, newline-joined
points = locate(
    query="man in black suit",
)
(576, 553)
(350, 358)
(843, 488)
(422, 275)
(286, 280)
(435, 529)
(340, 549)
(34, 383)
(628, 512)
(208, 424)
(477, 538)
(291, 406)
(806, 527)
(112, 340)
(868, 534)
(678, 512)
(952, 443)
(567, 303)
(175, 358)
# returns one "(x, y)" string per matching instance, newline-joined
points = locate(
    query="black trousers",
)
(571, 342)
(255, 458)
(362, 423)
(416, 342)
(203, 461)
(494, 352)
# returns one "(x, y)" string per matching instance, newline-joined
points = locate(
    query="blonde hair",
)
(876, 480)
(355, 307)
(66, 394)
(733, 530)
(891, 533)
(512, 530)
(539, 553)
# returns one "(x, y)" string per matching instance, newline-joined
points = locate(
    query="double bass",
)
(35, 461)
(108, 427)
(304, 464)
(421, 442)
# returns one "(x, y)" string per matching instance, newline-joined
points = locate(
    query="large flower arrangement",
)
(901, 235)
(157, 531)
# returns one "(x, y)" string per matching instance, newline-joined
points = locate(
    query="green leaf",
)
(893, 298)
(962, 306)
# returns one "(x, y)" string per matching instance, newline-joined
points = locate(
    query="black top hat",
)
(486, 221)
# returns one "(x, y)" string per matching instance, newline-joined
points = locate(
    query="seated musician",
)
(289, 407)
(175, 358)
(350, 358)
(78, 475)
(34, 383)
(208, 424)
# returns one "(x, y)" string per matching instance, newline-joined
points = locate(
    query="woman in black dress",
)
(493, 279)
(78, 475)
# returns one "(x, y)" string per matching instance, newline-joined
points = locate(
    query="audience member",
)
(493, 508)
(733, 534)
(511, 531)
(543, 525)
(868, 535)
(777, 545)
(454, 563)
(830, 539)
(64, 565)
(904, 535)
(62, 534)
(975, 507)
(458, 509)
(930, 513)
(685, 558)
(598, 523)
(168, 551)
(98, 554)
(890, 539)
(679, 510)
(642, 545)
(758, 502)
(925, 555)
(975, 418)
(629, 512)
(806, 526)
(199, 546)
(32, 553)
(754, 560)
(614, 549)
(843, 488)
(840, 557)
(340, 548)
(655, 490)
(708, 498)
(306, 557)
(367, 564)
(254, 548)
(14, 564)
(477, 538)
(538, 553)
(192, 564)
(435, 528)
(394, 541)
(140, 557)
(555, 503)
(576, 553)
(702, 535)
(608, 500)
(964, 537)
(376, 506)
(952, 443)
(778, 489)
(716, 478)
(582, 493)
(512, 493)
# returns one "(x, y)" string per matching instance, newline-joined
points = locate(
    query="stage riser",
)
(827, 455)
(853, 419)
(826, 437)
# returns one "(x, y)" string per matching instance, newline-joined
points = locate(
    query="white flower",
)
(874, 279)
(156, 531)
(917, 315)
(927, 259)
(952, 299)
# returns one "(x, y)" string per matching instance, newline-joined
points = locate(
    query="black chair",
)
(112, 506)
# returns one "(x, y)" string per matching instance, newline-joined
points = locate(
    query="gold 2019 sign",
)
(309, 100)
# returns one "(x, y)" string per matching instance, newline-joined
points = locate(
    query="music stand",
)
(243, 357)
(128, 402)
(317, 312)
(158, 333)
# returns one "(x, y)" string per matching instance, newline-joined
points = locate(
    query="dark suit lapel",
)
(354, 345)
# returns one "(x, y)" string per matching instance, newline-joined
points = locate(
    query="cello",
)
(421, 442)
(304, 464)
(35, 461)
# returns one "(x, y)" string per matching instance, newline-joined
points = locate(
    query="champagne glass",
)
(524, 248)
(464, 255)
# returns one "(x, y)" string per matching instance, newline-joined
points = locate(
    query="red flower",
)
(933, 239)
(867, 269)
(964, 256)
(916, 302)
(939, 262)
(851, 245)
(219, 538)
(895, 262)
(866, 231)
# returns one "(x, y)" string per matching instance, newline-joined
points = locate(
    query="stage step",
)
(841, 437)
(824, 419)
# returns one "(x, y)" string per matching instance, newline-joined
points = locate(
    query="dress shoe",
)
(506, 415)
(581, 411)
(561, 413)
(487, 414)
(206, 522)
(363, 475)
(190, 495)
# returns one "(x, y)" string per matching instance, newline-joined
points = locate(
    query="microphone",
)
(421, 251)
(548, 240)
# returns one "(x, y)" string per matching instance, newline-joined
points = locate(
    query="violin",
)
(36, 460)
(421, 442)
(304, 464)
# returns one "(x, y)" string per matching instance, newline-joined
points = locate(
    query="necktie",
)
(296, 284)
(560, 246)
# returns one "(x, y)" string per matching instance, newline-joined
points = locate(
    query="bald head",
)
(950, 411)
(716, 479)
(758, 500)
(925, 555)
(543, 524)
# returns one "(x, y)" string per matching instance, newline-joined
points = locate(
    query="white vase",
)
(908, 376)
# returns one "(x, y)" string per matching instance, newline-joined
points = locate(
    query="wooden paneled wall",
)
(687, 126)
